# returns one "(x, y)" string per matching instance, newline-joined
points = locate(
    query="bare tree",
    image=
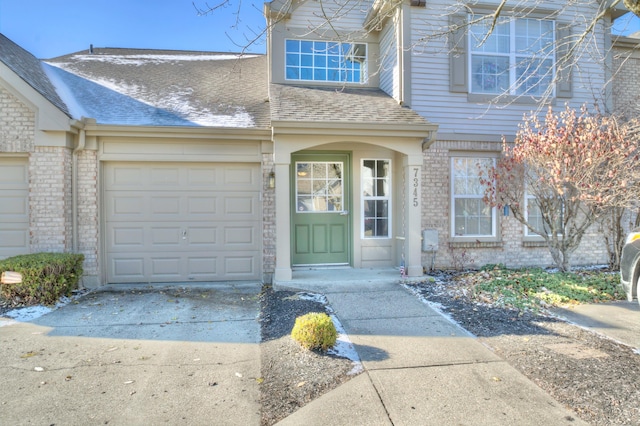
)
(561, 175)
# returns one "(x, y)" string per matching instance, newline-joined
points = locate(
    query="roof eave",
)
(227, 133)
(361, 128)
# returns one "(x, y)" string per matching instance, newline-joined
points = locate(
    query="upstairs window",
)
(325, 61)
(517, 58)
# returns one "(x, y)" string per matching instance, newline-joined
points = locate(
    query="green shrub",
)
(315, 331)
(45, 277)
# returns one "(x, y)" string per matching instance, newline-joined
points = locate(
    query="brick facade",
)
(50, 199)
(88, 214)
(626, 80)
(509, 247)
(268, 220)
(17, 124)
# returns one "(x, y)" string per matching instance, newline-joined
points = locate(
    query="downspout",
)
(400, 52)
(82, 138)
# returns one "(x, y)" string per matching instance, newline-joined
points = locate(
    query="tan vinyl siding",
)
(344, 16)
(454, 112)
(389, 69)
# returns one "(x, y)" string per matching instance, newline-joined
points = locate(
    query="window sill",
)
(508, 99)
(534, 243)
(469, 243)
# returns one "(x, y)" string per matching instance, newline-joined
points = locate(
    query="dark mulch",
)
(596, 377)
(292, 376)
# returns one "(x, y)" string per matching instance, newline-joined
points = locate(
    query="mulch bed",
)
(292, 376)
(594, 376)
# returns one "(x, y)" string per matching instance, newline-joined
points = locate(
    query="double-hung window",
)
(517, 58)
(553, 206)
(376, 198)
(308, 60)
(471, 216)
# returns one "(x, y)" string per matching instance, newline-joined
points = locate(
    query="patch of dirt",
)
(596, 377)
(292, 376)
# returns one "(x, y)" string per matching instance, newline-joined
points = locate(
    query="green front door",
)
(320, 209)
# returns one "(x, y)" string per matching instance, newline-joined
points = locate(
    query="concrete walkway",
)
(420, 368)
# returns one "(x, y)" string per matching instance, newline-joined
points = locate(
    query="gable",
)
(17, 124)
(327, 18)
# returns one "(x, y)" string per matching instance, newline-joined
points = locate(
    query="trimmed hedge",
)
(45, 277)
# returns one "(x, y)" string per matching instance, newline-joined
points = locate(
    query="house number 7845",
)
(416, 185)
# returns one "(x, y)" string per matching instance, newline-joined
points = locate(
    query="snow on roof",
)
(141, 58)
(178, 89)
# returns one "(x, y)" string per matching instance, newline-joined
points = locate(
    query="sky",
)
(51, 28)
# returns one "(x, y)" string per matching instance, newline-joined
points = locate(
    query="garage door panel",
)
(14, 238)
(126, 207)
(246, 206)
(198, 205)
(235, 236)
(14, 207)
(163, 268)
(206, 177)
(126, 237)
(14, 174)
(184, 222)
(203, 235)
(202, 267)
(243, 177)
(240, 265)
(165, 205)
(165, 236)
(127, 269)
(124, 177)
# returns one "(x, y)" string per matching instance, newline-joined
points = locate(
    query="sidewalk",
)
(420, 368)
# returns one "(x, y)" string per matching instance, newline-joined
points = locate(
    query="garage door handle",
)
(184, 234)
(344, 212)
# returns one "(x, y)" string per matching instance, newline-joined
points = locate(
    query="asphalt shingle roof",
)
(30, 69)
(326, 104)
(185, 88)
(164, 88)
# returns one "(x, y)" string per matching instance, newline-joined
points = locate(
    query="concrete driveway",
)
(617, 320)
(126, 355)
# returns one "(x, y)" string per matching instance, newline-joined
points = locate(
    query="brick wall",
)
(88, 224)
(268, 220)
(17, 124)
(626, 80)
(510, 248)
(50, 199)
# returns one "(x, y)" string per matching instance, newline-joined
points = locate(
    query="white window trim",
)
(527, 233)
(452, 201)
(512, 61)
(364, 72)
(388, 198)
(296, 195)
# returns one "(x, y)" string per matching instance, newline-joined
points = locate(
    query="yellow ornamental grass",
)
(315, 331)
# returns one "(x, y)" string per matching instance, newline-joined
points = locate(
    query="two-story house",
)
(355, 141)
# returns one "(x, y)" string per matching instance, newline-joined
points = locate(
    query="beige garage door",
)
(182, 222)
(14, 207)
